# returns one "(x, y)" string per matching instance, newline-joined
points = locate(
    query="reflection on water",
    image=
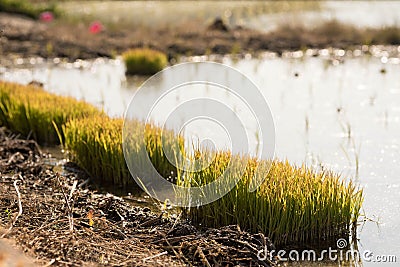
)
(339, 112)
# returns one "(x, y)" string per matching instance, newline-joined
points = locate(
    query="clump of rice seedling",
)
(292, 205)
(144, 61)
(35, 113)
(96, 144)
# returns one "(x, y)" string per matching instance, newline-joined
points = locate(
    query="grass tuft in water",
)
(144, 61)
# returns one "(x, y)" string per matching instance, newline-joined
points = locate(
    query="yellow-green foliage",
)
(293, 204)
(144, 61)
(27, 8)
(31, 111)
(96, 144)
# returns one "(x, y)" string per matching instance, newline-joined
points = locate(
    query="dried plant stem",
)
(155, 256)
(67, 201)
(19, 211)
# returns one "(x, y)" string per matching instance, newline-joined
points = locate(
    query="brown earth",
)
(26, 37)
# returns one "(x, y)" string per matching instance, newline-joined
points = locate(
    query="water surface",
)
(337, 111)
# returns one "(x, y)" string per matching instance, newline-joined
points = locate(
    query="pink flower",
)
(46, 16)
(95, 27)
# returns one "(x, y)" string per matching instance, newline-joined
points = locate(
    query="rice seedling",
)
(96, 144)
(144, 61)
(356, 150)
(292, 205)
(33, 112)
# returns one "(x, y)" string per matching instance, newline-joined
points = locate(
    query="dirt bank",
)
(26, 37)
(59, 219)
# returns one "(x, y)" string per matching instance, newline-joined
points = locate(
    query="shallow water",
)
(338, 112)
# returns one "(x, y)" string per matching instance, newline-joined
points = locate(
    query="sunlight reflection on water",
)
(326, 113)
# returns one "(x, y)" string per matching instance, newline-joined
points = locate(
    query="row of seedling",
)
(291, 205)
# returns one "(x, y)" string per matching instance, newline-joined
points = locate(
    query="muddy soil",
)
(58, 218)
(25, 37)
